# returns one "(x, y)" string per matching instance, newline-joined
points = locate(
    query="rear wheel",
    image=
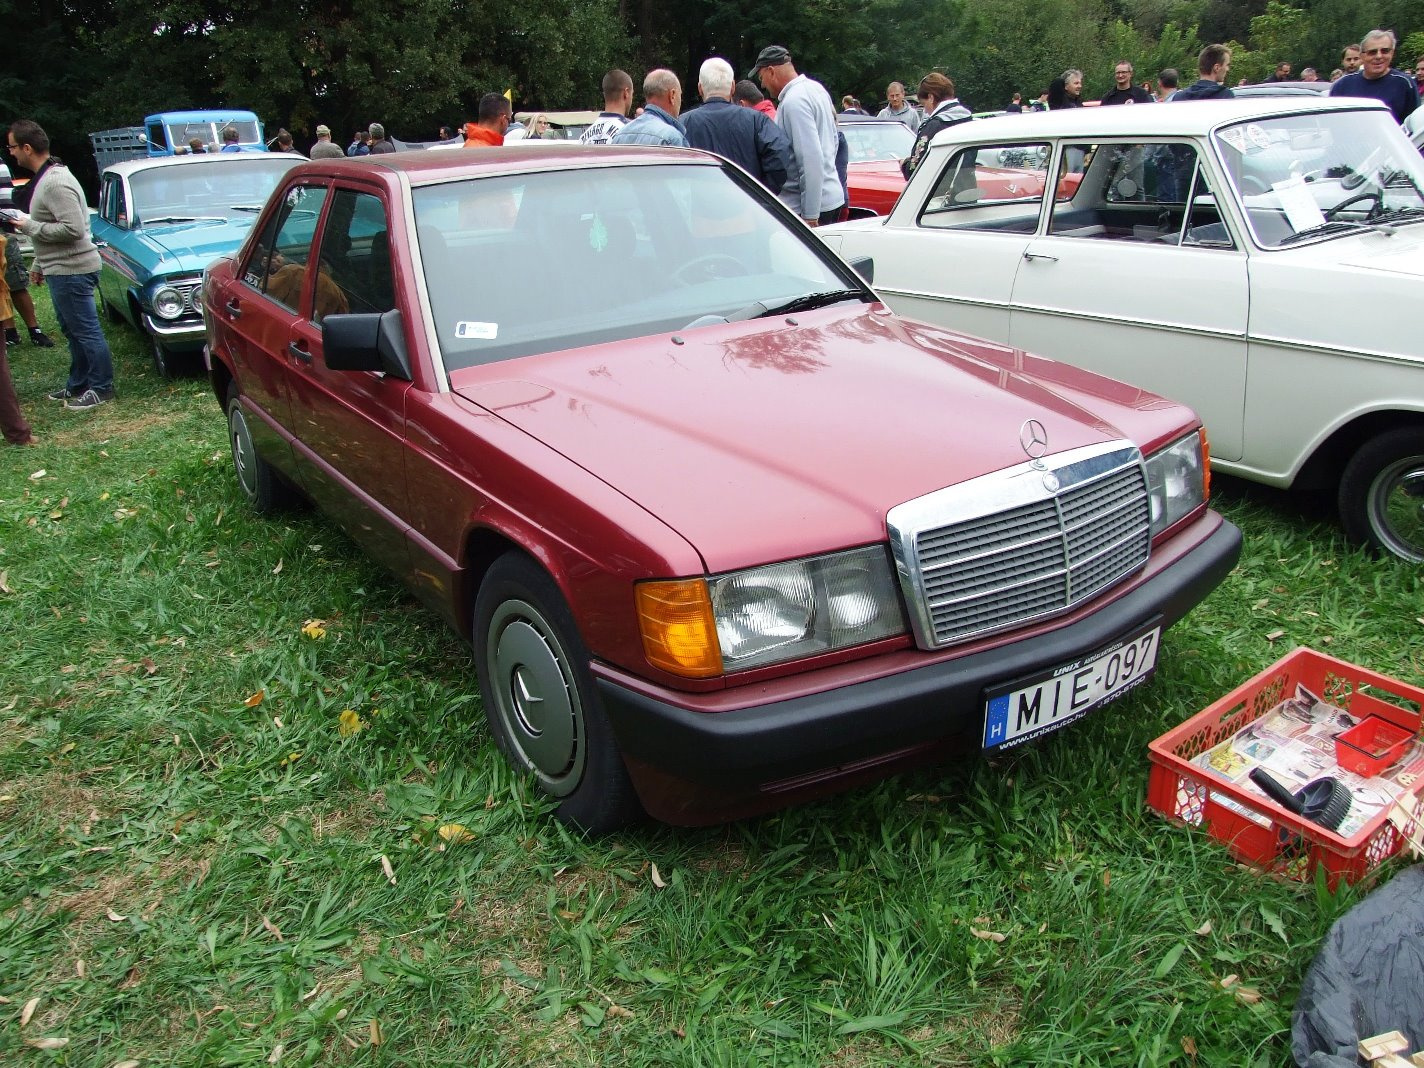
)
(259, 481)
(543, 710)
(1382, 494)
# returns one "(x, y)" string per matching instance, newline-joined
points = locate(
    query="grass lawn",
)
(232, 835)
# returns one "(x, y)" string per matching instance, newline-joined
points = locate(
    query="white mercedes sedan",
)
(1256, 259)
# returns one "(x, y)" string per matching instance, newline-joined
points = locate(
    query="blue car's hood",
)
(190, 246)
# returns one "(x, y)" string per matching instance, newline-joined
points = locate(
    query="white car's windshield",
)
(220, 188)
(871, 142)
(1317, 176)
(531, 263)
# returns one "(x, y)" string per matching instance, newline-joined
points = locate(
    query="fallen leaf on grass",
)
(255, 699)
(273, 929)
(376, 1037)
(1189, 1046)
(290, 758)
(35, 476)
(1230, 981)
(1274, 635)
(658, 880)
(619, 1010)
(1204, 929)
(1107, 879)
(5, 582)
(125, 1064)
(114, 917)
(47, 1043)
(28, 1011)
(386, 867)
(988, 936)
(149, 666)
(276, 1055)
(278, 569)
(1247, 995)
(350, 722)
(56, 514)
(313, 629)
(79, 969)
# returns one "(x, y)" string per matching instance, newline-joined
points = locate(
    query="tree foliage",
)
(415, 64)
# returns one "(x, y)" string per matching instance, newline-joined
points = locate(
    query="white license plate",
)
(1071, 691)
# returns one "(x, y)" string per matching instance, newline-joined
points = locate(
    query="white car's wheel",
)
(1382, 494)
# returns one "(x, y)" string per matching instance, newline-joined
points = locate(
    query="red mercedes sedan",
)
(722, 530)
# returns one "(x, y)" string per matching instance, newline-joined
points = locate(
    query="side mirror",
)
(861, 213)
(366, 342)
(865, 267)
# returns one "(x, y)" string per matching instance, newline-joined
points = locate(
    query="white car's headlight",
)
(764, 615)
(1178, 479)
(167, 302)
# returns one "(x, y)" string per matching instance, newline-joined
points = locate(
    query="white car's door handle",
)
(1040, 256)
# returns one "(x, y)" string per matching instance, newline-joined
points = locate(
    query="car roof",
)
(200, 159)
(424, 168)
(1178, 118)
(1282, 88)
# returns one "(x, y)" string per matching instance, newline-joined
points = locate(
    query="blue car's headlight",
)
(167, 302)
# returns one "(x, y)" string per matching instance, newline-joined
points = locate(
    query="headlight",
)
(1178, 479)
(764, 615)
(167, 302)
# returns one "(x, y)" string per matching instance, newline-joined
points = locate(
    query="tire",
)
(259, 481)
(164, 362)
(538, 695)
(1382, 494)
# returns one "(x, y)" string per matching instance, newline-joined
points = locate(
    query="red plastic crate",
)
(1371, 745)
(1250, 824)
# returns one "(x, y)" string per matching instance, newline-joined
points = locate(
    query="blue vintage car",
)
(160, 222)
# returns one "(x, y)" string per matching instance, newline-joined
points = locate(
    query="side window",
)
(1145, 192)
(355, 258)
(114, 208)
(278, 264)
(996, 187)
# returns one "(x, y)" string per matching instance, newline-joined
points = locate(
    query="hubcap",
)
(1396, 507)
(535, 696)
(244, 457)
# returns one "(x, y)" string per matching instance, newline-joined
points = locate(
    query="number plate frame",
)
(1067, 693)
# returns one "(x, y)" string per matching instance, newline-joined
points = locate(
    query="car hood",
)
(187, 246)
(1400, 254)
(816, 430)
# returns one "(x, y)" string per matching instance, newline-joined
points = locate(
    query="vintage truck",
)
(167, 132)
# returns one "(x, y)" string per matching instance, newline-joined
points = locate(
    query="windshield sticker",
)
(1299, 204)
(477, 331)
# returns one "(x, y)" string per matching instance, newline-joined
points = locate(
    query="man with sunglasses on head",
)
(1377, 79)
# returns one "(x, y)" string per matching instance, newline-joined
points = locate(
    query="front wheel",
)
(1382, 494)
(163, 360)
(538, 695)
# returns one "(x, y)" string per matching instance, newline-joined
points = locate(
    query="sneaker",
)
(88, 399)
(38, 338)
(63, 393)
(12, 336)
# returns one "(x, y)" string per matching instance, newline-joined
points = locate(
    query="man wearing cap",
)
(324, 148)
(804, 111)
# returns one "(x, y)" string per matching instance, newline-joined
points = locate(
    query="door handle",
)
(101, 244)
(293, 349)
(233, 308)
(1040, 256)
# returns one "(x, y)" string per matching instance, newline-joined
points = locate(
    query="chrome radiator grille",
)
(1022, 544)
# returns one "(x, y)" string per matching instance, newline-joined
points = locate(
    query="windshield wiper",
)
(805, 302)
(180, 218)
(1403, 214)
(1336, 226)
(245, 207)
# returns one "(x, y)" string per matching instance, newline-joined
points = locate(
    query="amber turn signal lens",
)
(1206, 464)
(679, 632)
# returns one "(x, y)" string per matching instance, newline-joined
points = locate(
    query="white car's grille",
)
(1022, 544)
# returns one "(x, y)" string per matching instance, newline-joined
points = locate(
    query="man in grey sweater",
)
(65, 258)
(804, 110)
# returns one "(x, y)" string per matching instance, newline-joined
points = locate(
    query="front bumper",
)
(672, 748)
(177, 335)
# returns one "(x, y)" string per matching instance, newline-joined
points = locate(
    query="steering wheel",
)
(1377, 195)
(707, 268)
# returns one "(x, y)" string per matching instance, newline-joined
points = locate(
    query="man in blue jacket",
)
(1377, 80)
(743, 135)
(658, 124)
(1213, 65)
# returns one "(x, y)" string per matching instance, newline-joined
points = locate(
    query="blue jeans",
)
(91, 364)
